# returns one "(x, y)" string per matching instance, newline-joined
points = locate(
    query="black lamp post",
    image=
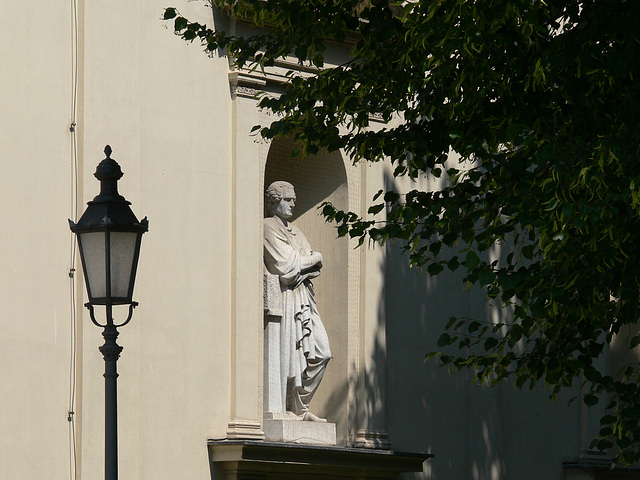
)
(109, 237)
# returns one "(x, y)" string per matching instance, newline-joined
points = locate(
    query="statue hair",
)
(275, 192)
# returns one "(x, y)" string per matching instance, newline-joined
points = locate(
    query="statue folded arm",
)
(283, 259)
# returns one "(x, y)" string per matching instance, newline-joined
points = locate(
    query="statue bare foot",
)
(310, 417)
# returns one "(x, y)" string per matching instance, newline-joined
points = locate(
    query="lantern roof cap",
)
(109, 209)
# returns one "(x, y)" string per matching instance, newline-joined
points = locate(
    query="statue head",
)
(280, 199)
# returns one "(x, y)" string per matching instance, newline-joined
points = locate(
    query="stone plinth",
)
(297, 431)
(275, 389)
(252, 460)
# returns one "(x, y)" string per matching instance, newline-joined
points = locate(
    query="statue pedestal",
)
(298, 431)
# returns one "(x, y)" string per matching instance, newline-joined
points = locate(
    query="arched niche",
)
(317, 179)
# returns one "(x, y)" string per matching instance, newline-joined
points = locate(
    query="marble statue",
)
(303, 348)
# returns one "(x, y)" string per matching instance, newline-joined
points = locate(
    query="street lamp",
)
(109, 237)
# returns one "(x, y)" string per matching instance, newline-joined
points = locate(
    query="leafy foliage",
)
(539, 101)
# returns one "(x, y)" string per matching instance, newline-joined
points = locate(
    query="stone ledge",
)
(581, 471)
(241, 460)
(372, 439)
(297, 431)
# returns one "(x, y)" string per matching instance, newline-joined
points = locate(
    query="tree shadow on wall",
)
(475, 432)
(426, 408)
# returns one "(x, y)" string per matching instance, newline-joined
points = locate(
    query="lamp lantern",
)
(109, 237)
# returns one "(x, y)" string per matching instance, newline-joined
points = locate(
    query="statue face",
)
(284, 209)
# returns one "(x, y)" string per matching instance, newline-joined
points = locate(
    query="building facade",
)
(79, 75)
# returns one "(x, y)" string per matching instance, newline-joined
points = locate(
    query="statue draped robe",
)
(304, 344)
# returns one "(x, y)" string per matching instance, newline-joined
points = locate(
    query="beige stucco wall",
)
(34, 241)
(164, 107)
(170, 130)
(192, 360)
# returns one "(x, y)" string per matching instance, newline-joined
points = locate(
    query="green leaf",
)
(450, 322)
(328, 210)
(453, 264)
(604, 445)
(520, 381)
(431, 355)
(180, 23)
(375, 209)
(391, 197)
(607, 419)
(490, 343)
(471, 260)
(444, 340)
(590, 400)
(376, 235)
(189, 35)
(527, 252)
(434, 269)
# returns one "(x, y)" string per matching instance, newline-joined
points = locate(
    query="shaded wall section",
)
(475, 432)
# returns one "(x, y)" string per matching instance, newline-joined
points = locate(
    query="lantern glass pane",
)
(123, 249)
(92, 246)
